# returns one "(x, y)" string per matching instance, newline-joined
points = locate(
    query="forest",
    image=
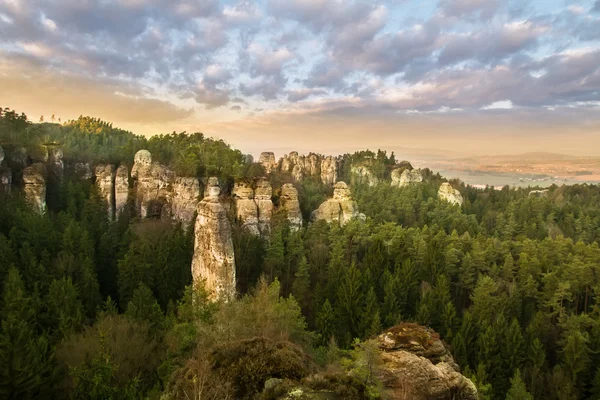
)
(99, 309)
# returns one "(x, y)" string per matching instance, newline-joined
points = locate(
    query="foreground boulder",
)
(213, 262)
(417, 365)
(449, 194)
(341, 208)
(34, 180)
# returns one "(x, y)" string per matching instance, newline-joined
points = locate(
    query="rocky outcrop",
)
(19, 157)
(245, 207)
(105, 182)
(406, 177)
(267, 160)
(213, 262)
(329, 170)
(539, 193)
(184, 200)
(5, 174)
(341, 208)
(83, 171)
(263, 196)
(449, 194)
(34, 180)
(361, 174)
(56, 165)
(121, 188)
(2, 155)
(290, 203)
(153, 186)
(417, 365)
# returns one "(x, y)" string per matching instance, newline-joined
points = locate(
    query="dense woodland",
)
(104, 310)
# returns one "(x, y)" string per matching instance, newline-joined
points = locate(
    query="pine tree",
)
(595, 391)
(326, 322)
(301, 286)
(144, 308)
(64, 307)
(517, 388)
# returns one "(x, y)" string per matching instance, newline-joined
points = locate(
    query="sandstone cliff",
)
(290, 203)
(361, 174)
(263, 196)
(152, 185)
(213, 260)
(184, 199)
(341, 208)
(105, 182)
(417, 365)
(406, 177)
(324, 168)
(245, 206)
(449, 194)
(329, 170)
(83, 171)
(56, 165)
(121, 188)
(267, 160)
(34, 180)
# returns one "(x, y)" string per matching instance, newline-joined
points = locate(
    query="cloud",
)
(484, 9)
(304, 93)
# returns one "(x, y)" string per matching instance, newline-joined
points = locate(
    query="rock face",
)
(341, 208)
(184, 201)
(83, 171)
(262, 196)
(153, 186)
(34, 179)
(361, 174)
(267, 160)
(245, 206)
(291, 205)
(214, 260)
(2, 155)
(5, 175)
(121, 188)
(405, 177)
(328, 170)
(105, 182)
(300, 166)
(449, 194)
(417, 365)
(56, 165)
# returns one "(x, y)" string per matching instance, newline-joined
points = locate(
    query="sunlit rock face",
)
(329, 170)
(214, 262)
(341, 208)
(34, 180)
(121, 188)
(311, 165)
(406, 177)
(56, 165)
(417, 365)
(153, 186)
(449, 194)
(185, 198)
(105, 182)
(245, 206)
(267, 160)
(263, 196)
(362, 174)
(291, 205)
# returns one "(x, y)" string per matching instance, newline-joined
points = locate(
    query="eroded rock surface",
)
(245, 206)
(361, 174)
(214, 261)
(56, 165)
(2, 155)
(267, 160)
(83, 171)
(406, 177)
(34, 179)
(341, 208)
(185, 198)
(449, 194)
(417, 365)
(263, 196)
(324, 168)
(291, 205)
(329, 170)
(153, 186)
(105, 182)
(121, 188)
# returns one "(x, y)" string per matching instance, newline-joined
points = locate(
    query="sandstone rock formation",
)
(263, 196)
(405, 177)
(19, 157)
(153, 185)
(300, 166)
(267, 160)
(417, 365)
(291, 205)
(361, 174)
(449, 194)
(34, 179)
(83, 171)
(184, 200)
(2, 155)
(121, 188)
(56, 165)
(105, 182)
(341, 208)
(214, 260)
(245, 206)
(539, 193)
(328, 170)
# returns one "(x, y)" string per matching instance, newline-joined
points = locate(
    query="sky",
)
(331, 76)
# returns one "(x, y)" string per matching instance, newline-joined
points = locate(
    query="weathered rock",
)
(105, 182)
(121, 188)
(361, 174)
(18, 157)
(185, 198)
(449, 194)
(153, 185)
(328, 170)
(539, 193)
(2, 155)
(312, 164)
(214, 261)
(341, 208)
(291, 205)
(56, 165)
(406, 178)
(267, 160)
(245, 206)
(34, 179)
(263, 196)
(417, 365)
(298, 172)
(83, 171)
(248, 159)
(5, 179)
